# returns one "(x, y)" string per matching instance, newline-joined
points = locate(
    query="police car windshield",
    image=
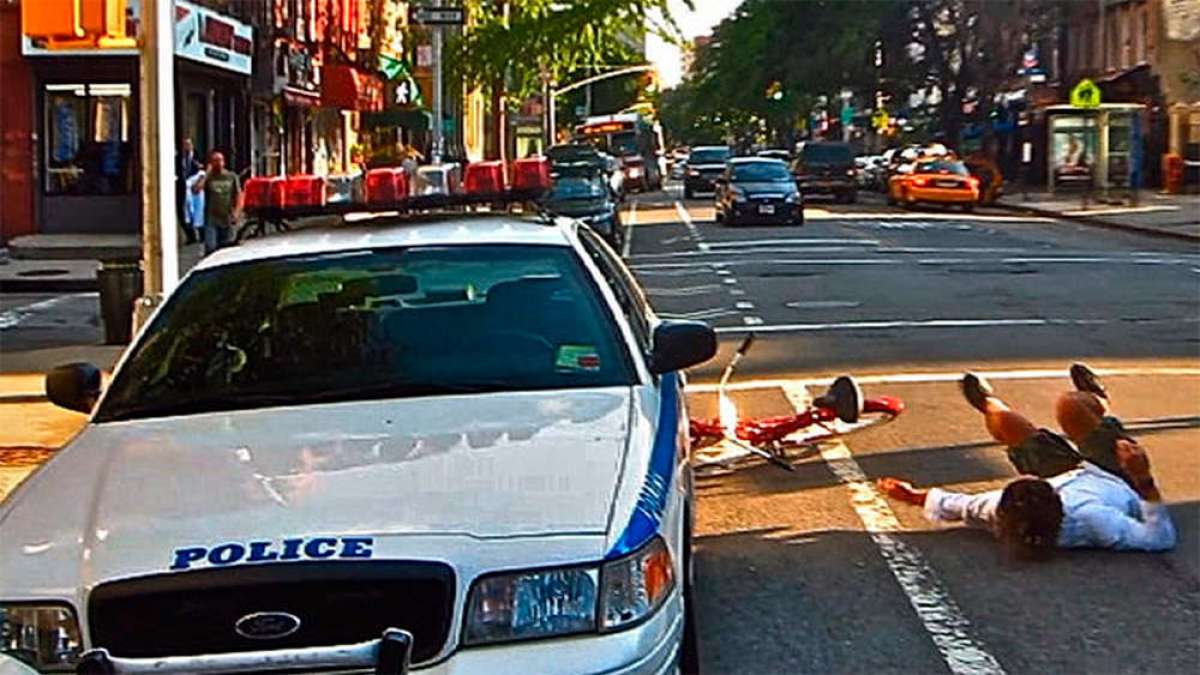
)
(385, 323)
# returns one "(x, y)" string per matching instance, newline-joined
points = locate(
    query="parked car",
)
(583, 194)
(826, 168)
(569, 155)
(775, 153)
(939, 180)
(758, 190)
(991, 178)
(704, 165)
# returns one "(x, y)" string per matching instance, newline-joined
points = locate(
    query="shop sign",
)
(212, 39)
(133, 29)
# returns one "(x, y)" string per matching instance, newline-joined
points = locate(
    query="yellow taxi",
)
(934, 180)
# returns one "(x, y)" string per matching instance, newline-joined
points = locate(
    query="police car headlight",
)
(44, 636)
(634, 587)
(534, 604)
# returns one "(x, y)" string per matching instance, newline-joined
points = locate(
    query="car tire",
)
(688, 193)
(689, 653)
(852, 197)
(719, 216)
(891, 198)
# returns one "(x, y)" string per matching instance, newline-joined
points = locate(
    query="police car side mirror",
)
(681, 344)
(75, 386)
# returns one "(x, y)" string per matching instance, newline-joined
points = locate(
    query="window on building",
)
(89, 147)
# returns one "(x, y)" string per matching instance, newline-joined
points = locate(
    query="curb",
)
(48, 285)
(1097, 222)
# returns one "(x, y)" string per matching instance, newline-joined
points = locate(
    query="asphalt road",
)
(814, 571)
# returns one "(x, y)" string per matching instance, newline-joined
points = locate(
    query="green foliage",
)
(554, 38)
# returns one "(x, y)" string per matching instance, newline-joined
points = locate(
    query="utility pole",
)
(438, 104)
(160, 255)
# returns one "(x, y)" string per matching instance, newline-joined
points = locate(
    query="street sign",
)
(1085, 94)
(436, 16)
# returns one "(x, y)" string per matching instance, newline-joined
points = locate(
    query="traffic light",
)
(76, 24)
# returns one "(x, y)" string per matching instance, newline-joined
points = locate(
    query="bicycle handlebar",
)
(747, 343)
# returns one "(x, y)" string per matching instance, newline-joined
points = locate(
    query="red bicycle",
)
(722, 442)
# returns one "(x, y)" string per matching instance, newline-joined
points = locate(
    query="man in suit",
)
(186, 166)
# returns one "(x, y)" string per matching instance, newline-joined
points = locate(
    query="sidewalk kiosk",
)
(1094, 148)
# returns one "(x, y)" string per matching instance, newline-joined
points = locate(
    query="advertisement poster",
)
(1074, 143)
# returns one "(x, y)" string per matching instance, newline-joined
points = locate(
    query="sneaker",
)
(844, 397)
(976, 390)
(1085, 379)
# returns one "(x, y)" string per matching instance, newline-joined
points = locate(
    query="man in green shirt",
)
(222, 202)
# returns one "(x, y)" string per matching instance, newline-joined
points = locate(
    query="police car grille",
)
(193, 613)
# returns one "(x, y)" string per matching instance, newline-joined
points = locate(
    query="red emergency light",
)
(531, 173)
(387, 185)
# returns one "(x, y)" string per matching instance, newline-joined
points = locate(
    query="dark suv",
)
(826, 168)
(704, 166)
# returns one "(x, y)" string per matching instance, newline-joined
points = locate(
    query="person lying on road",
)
(1101, 495)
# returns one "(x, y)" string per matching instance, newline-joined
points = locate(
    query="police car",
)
(452, 440)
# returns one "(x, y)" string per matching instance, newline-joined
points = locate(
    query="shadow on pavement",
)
(773, 602)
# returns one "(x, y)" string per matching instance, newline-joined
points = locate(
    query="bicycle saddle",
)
(843, 397)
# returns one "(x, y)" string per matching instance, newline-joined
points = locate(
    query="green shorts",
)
(1044, 454)
(1100, 446)
(1047, 454)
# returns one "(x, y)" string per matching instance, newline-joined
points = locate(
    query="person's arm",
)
(199, 186)
(978, 510)
(1108, 527)
(237, 199)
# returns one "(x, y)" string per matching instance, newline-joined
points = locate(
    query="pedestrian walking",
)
(222, 202)
(186, 166)
(1097, 493)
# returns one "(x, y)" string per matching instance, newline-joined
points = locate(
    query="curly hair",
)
(1029, 518)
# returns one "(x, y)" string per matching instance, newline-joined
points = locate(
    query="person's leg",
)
(1085, 417)
(1031, 450)
(211, 238)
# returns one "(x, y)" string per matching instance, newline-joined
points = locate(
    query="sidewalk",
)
(67, 263)
(31, 428)
(1159, 215)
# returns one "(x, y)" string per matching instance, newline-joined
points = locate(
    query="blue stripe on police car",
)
(313, 548)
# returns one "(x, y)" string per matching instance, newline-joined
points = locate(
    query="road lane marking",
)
(752, 320)
(685, 291)
(744, 304)
(944, 621)
(686, 218)
(710, 313)
(823, 304)
(752, 243)
(15, 317)
(929, 377)
(627, 246)
(944, 323)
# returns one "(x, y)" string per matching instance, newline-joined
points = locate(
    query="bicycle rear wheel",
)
(876, 412)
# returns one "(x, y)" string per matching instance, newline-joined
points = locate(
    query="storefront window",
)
(87, 135)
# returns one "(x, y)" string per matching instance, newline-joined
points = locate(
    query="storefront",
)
(87, 143)
(213, 67)
(346, 92)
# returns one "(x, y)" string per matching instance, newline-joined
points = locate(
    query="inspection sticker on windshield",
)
(577, 357)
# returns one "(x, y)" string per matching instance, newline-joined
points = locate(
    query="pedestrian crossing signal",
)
(1085, 94)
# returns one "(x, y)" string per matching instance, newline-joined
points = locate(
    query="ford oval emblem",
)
(267, 625)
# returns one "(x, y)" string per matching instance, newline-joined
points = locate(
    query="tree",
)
(513, 46)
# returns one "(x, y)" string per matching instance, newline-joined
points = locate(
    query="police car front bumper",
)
(651, 648)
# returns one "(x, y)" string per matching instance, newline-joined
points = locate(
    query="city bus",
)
(632, 138)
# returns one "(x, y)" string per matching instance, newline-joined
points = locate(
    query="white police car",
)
(465, 431)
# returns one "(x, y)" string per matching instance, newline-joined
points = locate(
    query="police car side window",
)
(631, 301)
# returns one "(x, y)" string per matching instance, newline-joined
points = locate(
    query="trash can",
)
(120, 284)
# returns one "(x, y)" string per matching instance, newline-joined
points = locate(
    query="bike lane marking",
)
(944, 621)
(628, 244)
(948, 376)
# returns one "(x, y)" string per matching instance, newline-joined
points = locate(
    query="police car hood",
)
(125, 495)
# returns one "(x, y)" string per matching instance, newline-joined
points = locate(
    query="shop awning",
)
(413, 120)
(348, 88)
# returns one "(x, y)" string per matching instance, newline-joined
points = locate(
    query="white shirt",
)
(193, 202)
(1099, 511)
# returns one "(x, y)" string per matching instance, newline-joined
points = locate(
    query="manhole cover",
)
(43, 273)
